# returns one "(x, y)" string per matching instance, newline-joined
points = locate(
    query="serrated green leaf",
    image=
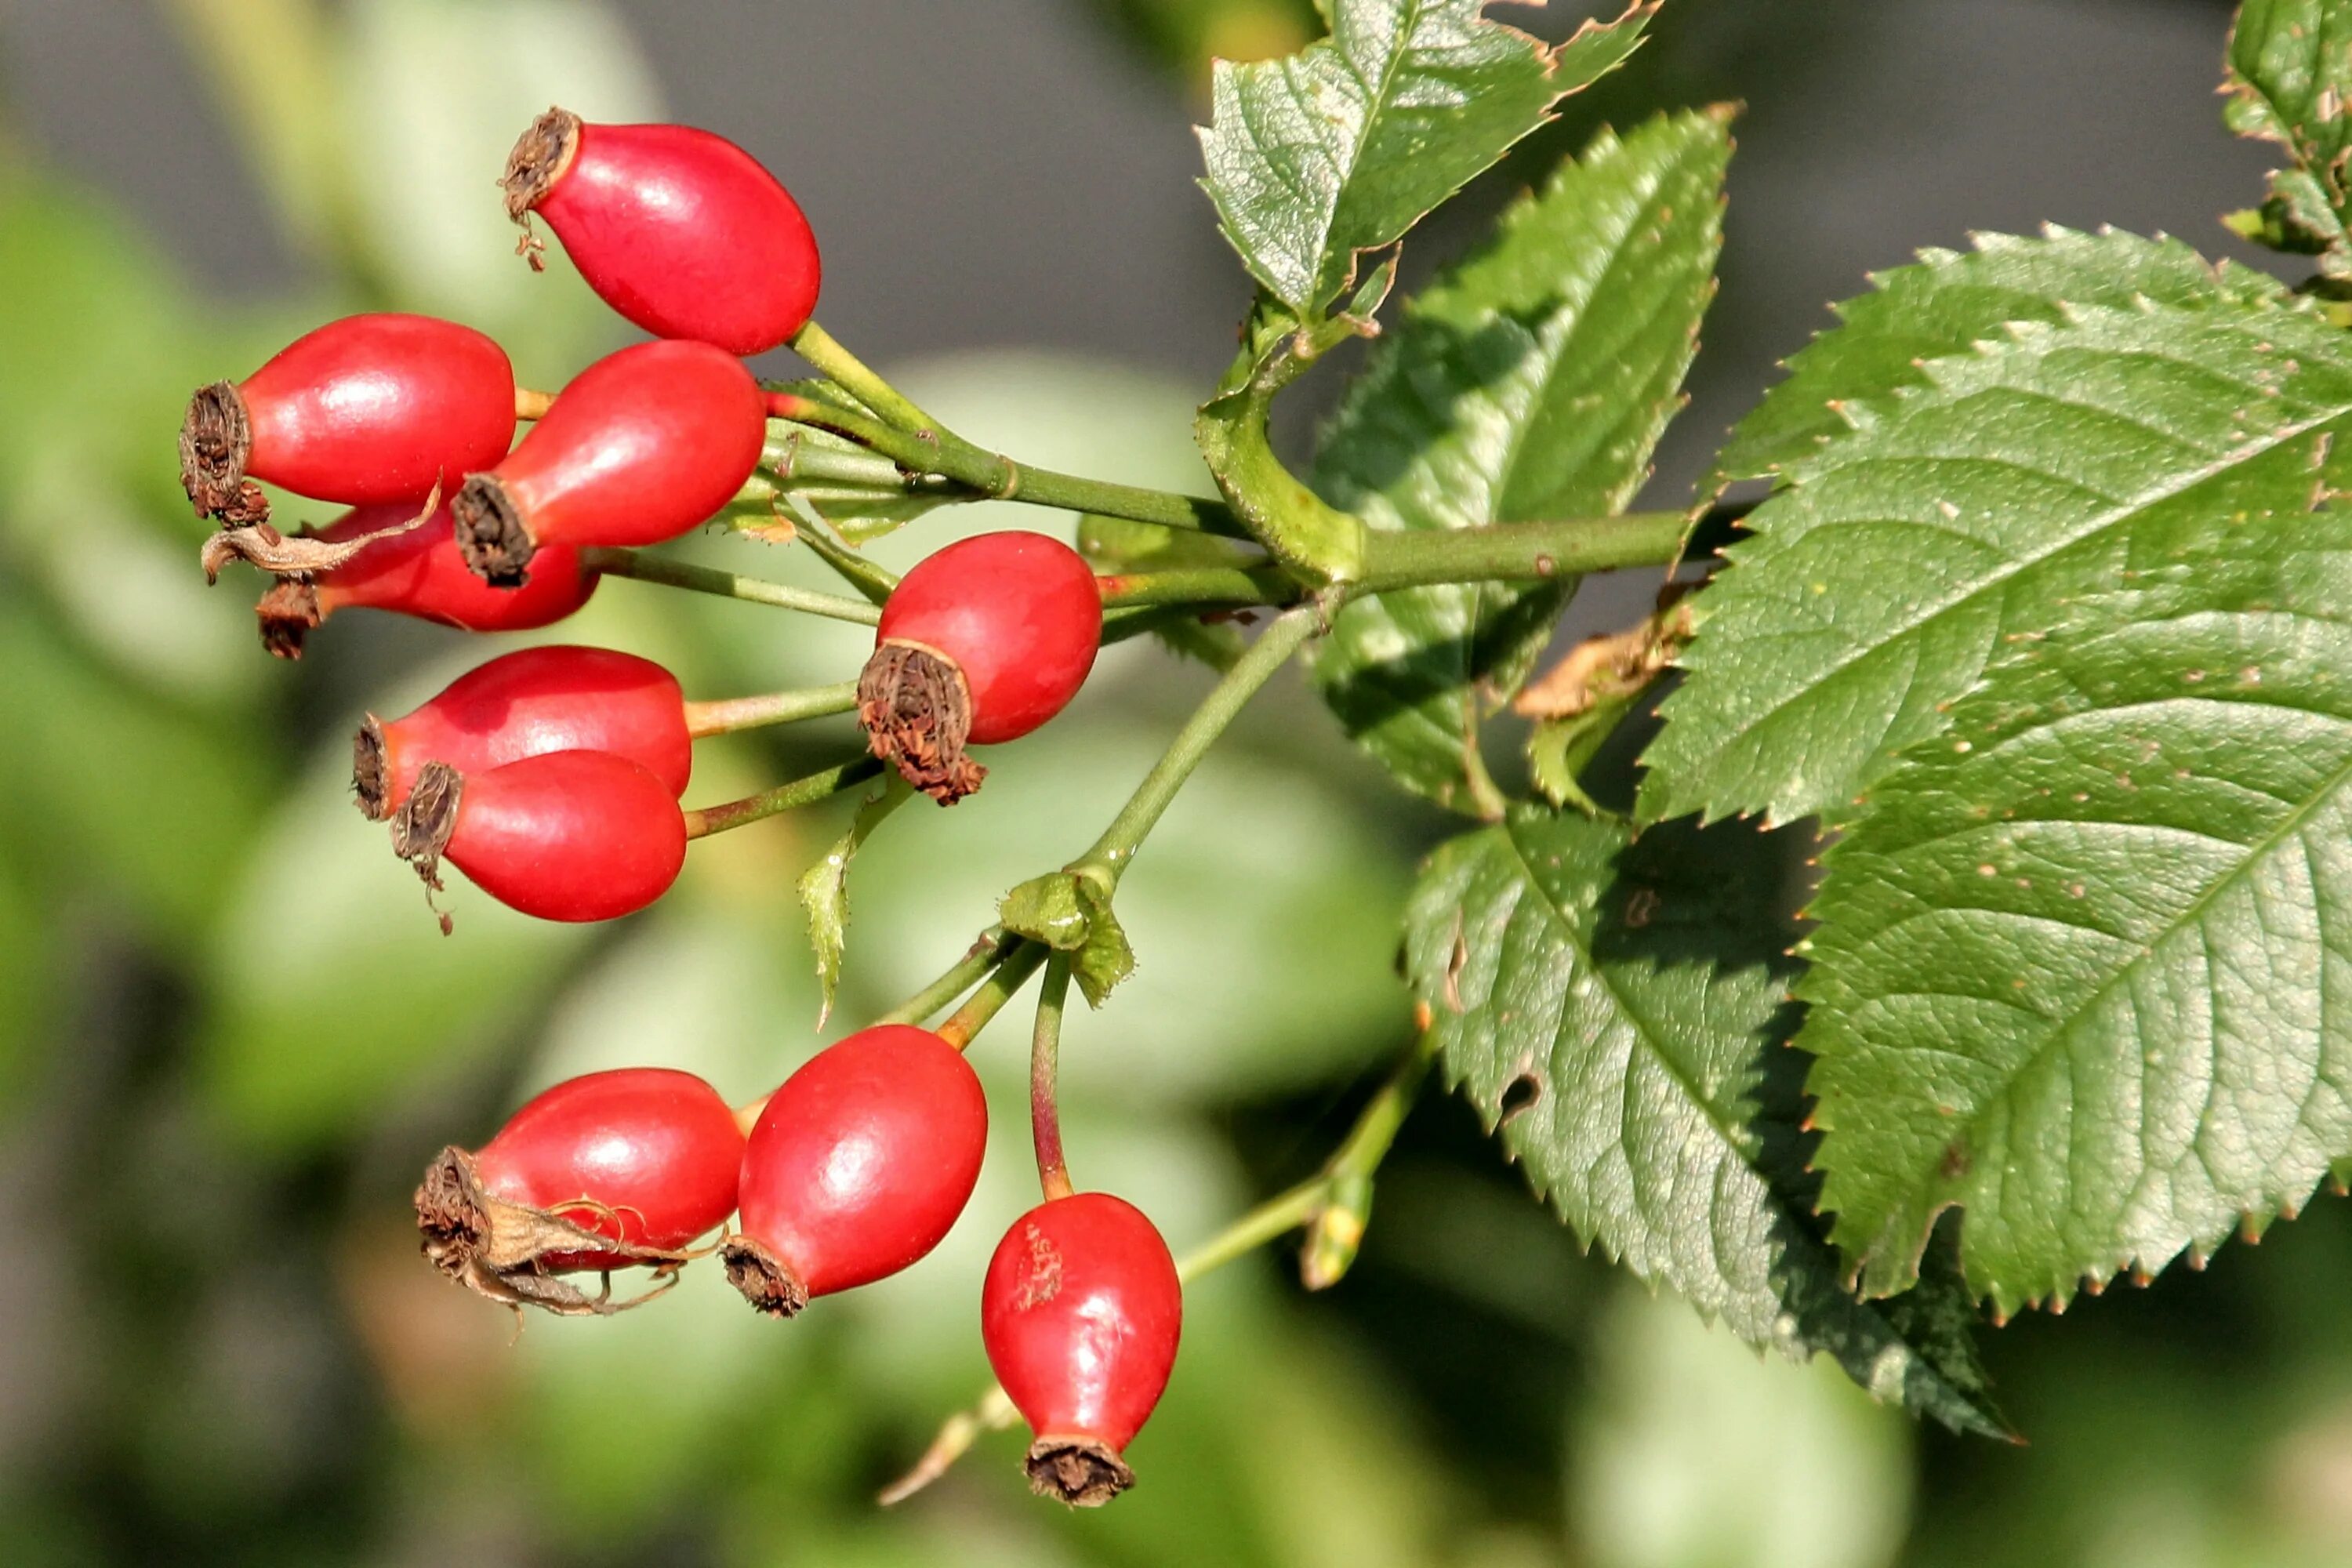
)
(1950, 300)
(1342, 147)
(1615, 1007)
(1071, 913)
(2290, 73)
(1532, 381)
(1965, 515)
(824, 889)
(2082, 966)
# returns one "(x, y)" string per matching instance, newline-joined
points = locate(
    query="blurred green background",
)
(230, 1034)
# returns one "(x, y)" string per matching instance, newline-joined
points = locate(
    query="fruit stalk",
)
(1045, 1057)
(711, 819)
(726, 715)
(644, 568)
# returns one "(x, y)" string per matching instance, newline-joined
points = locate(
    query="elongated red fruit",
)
(1081, 1311)
(600, 1172)
(418, 573)
(641, 446)
(369, 408)
(564, 835)
(857, 1167)
(982, 642)
(679, 230)
(535, 699)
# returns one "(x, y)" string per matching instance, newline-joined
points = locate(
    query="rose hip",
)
(370, 409)
(600, 1172)
(1081, 1311)
(857, 1166)
(982, 642)
(679, 230)
(642, 446)
(564, 835)
(521, 704)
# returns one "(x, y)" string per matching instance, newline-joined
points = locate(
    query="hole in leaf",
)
(1519, 1096)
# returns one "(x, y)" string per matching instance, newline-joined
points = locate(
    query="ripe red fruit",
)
(857, 1167)
(982, 642)
(369, 408)
(418, 573)
(1081, 1311)
(600, 1172)
(681, 231)
(521, 704)
(641, 446)
(564, 835)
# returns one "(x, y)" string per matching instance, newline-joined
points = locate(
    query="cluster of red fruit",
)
(552, 777)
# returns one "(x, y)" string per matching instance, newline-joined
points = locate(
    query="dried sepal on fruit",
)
(499, 1249)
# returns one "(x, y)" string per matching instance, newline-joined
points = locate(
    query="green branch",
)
(645, 568)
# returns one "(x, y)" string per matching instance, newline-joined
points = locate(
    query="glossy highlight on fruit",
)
(418, 573)
(371, 408)
(1081, 1311)
(857, 1166)
(643, 445)
(601, 1172)
(679, 230)
(522, 704)
(981, 642)
(564, 835)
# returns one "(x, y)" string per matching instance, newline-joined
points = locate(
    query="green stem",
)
(644, 568)
(849, 373)
(1278, 1215)
(794, 459)
(711, 819)
(870, 579)
(1004, 984)
(1111, 853)
(1045, 1059)
(933, 450)
(1530, 551)
(725, 715)
(1266, 585)
(984, 955)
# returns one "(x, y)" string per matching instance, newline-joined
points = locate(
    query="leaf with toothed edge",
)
(2289, 74)
(2084, 965)
(1531, 380)
(1950, 300)
(1964, 515)
(1615, 1007)
(1340, 148)
(823, 890)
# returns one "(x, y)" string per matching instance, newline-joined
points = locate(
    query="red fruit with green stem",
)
(418, 572)
(857, 1166)
(642, 447)
(982, 642)
(523, 704)
(600, 1172)
(370, 409)
(1081, 1311)
(564, 836)
(679, 230)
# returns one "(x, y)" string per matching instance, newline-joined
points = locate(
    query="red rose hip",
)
(600, 1172)
(857, 1166)
(679, 230)
(418, 573)
(1081, 1311)
(523, 704)
(564, 835)
(642, 447)
(370, 409)
(982, 642)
